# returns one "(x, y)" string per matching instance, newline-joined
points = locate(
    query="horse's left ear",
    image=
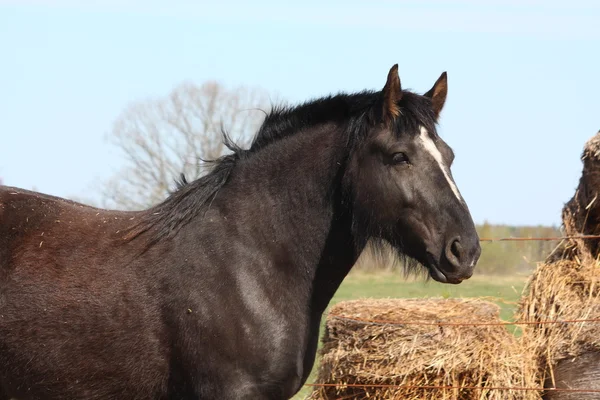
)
(438, 93)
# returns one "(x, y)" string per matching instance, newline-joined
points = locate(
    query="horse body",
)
(172, 319)
(218, 292)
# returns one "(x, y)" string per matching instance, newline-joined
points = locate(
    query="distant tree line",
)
(497, 258)
(514, 257)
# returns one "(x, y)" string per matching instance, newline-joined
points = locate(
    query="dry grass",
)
(355, 352)
(563, 290)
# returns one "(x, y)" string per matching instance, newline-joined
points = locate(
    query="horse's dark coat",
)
(217, 293)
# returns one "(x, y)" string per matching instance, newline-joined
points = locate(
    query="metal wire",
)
(516, 388)
(504, 323)
(523, 239)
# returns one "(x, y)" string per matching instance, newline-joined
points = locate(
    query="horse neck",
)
(296, 185)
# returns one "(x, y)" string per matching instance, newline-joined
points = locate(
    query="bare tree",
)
(163, 138)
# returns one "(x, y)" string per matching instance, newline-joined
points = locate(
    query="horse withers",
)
(217, 292)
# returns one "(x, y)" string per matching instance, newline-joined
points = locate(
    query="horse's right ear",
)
(392, 93)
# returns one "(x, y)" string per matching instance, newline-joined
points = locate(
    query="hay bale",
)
(581, 214)
(565, 290)
(356, 352)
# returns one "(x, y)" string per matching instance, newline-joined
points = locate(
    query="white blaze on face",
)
(437, 156)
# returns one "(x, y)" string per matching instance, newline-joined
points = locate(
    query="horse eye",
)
(399, 158)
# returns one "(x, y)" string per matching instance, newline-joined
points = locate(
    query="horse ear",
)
(392, 93)
(438, 93)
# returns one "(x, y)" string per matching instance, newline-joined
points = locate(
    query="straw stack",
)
(567, 288)
(417, 356)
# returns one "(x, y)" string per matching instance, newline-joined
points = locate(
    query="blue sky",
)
(523, 98)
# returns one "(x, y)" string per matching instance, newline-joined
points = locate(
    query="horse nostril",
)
(454, 252)
(456, 249)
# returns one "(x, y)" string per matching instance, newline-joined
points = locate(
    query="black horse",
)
(217, 292)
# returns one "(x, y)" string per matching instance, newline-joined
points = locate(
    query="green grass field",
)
(504, 291)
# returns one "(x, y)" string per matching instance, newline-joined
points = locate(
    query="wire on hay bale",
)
(412, 355)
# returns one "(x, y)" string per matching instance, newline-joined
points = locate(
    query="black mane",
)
(283, 121)
(358, 111)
